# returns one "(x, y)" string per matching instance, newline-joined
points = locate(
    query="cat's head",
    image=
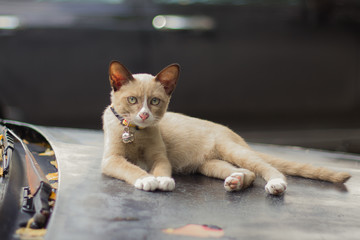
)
(142, 99)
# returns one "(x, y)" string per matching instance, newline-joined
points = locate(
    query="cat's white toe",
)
(276, 186)
(234, 182)
(166, 183)
(147, 183)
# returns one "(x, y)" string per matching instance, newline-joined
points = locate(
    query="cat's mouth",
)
(143, 123)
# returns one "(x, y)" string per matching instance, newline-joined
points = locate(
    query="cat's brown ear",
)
(118, 75)
(168, 77)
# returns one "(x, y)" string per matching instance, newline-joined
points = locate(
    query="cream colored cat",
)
(144, 144)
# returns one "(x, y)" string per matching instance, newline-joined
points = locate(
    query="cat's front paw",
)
(147, 183)
(276, 186)
(234, 182)
(166, 183)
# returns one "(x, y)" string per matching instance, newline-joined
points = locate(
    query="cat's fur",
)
(174, 143)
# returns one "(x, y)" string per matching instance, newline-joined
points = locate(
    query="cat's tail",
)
(305, 170)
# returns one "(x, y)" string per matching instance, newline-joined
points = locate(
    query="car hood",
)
(90, 205)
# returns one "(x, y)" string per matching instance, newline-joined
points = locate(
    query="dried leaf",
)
(54, 163)
(52, 203)
(52, 196)
(54, 185)
(52, 176)
(28, 233)
(31, 234)
(48, 152)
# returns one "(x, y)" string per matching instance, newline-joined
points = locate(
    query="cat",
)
(144, 144)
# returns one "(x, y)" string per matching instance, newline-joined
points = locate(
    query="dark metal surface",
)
(10, 190)
(12, 196)
(92, 206)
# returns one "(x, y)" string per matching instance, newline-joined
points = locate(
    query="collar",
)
(123, 121)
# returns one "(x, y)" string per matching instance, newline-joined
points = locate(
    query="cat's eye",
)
(155, 101)
(132, 100)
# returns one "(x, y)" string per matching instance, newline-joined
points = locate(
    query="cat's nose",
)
(144, 116)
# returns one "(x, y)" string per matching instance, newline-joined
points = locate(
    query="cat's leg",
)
(235, 178)
(246, 158)
(161, 169)
(118, 167)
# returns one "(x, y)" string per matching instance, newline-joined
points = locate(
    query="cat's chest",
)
(141, 150)
(135, 152)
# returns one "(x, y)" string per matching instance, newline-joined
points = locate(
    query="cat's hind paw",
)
(147, 183)
(276, 186)
(166, 183)
(234, 182)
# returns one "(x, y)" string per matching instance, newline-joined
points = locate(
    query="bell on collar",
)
(127, 136)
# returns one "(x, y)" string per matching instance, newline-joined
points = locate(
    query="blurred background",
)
(275, 71)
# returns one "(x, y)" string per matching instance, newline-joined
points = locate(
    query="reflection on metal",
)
(178, 22)
(8, 22)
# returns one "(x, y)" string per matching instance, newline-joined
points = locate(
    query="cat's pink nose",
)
(144, 116)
